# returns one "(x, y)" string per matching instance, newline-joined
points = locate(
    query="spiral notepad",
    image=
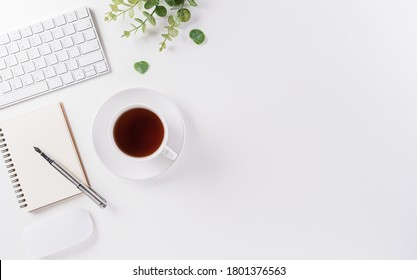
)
(34, 183)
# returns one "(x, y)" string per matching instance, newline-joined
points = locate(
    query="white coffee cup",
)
(162, 149)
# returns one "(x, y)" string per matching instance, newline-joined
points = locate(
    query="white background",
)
(301, 134)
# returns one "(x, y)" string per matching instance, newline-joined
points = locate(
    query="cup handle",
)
(169, 153)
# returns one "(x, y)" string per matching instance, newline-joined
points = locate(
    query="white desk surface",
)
(301, 135)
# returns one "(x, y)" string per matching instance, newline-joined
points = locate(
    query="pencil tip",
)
(37, 149)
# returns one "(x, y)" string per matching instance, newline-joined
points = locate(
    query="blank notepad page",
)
(38, 183)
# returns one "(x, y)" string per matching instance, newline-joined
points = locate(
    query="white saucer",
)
(130, 168)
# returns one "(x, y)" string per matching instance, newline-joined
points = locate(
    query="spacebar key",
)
(90, 58)
(23, 93)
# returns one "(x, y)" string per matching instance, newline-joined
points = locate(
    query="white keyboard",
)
(49, 55)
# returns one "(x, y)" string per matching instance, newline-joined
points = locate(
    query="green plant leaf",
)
(141, 66)
(166, 36)
(114, 8)
(161, 11)
(170, 2)
(197, 36)
(132, 1)
(175, 3)
(163, 46)
(138, 20)
(144, 27)
(106, 18)
(113, 16)
(192, 3)
(126, 34)
(117, 2)
(131, 13)
(150, 4)
(174, 21)
(150, 18)
(172, 31)
(184, 15)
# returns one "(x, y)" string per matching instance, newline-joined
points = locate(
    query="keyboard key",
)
(40, 63)
(90, 71)
(55, 82)
(45, 49)
(67, 42)
(5, 87)
(49, 72)
(55, 46)
(72, 65)
(47, 37)
(2, 64)
(51, 59)
(101, 67)
(58, 33)
(78, 38)
(3, 51)
(33, 53)
(29, 67)
(48, 24)
(16, 83)
(24, 44)
(78, 74)
(61, 68)
(6, 74)
(69, 29)
(82, 12)
(62, 55)
(37, 28)
(4, 39)
(15, 35)
(83, 24)
(13, 48)
(89, 34)
(67, 78)
(26, 32)
(90, 58)
(38, 76)
(26, 92)
(27, 80)
(17, 70)
(71, 16)
(89, 46)
(60, 20)
(89, 68)
(22, 57)
(35, 40)
(74, 52)
(11, 60)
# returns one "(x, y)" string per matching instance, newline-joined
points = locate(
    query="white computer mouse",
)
(57, 233)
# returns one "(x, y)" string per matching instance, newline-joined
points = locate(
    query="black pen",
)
(100, 201)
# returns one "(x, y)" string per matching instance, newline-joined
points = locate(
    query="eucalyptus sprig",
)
(176, 12)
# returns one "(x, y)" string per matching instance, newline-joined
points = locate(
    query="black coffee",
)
(138, 132)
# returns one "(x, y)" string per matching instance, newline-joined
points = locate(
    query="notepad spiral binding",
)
(11, 171)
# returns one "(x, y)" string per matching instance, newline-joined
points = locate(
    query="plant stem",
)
(123, 12)
(165, 39)
(136, 28)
